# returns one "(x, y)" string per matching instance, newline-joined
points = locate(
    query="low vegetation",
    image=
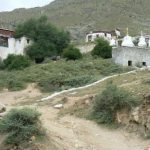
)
(109, 102)
(59, 75)
(72, 53)
(20, 126)
(102, 49)
(16, 62)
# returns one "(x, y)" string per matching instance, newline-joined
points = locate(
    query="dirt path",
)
(86, 86)
(72, 133)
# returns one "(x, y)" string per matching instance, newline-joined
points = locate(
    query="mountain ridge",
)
(82, 16)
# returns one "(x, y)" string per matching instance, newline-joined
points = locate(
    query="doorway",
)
(129, 63)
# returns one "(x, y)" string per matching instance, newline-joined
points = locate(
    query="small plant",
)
(72, 53)
(16, 62)
(102, 49)
(112, 100)
(20, 125)
(15, 85)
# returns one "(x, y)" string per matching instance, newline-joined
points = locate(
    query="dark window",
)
(28, 41)
(97, 36)
(129, 63)
(4, 41)
(144, 63)
(89, 38)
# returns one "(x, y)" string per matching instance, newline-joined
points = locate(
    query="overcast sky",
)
(8, 5)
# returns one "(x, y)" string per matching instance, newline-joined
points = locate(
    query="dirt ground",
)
(69, 132)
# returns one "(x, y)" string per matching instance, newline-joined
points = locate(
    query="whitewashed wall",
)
(122, 55)
(15, 46)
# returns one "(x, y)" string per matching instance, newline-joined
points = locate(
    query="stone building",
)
(130, 55)
(10, 45)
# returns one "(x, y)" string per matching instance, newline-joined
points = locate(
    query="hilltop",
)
(81, 16)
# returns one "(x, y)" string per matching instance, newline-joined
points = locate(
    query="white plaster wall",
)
(122, 55)
(4, 51)
(15, 46)
(94, 36)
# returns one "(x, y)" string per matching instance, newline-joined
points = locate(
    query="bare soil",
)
(69, 132)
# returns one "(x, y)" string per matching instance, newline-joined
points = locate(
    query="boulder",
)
(135, 115)
(2, 108)
(58, 106)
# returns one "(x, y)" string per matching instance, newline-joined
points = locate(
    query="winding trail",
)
(86, 86)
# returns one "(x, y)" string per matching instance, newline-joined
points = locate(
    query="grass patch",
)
(59, 75)
(131, 83)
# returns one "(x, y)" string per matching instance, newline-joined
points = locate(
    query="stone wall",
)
(136, 55)
(86, 48)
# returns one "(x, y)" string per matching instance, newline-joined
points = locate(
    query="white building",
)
(129, 54)
(92, 36)
(10, 45)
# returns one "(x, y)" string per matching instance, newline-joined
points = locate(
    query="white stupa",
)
(142, 42)
(127, 41)
(113, 42)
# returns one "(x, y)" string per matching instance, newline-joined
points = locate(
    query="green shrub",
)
(78, 81)
(109, 102)
(57, 83)
(2, 66)
(72, 53)
(16, 62)
(20, 125)
(102, 49)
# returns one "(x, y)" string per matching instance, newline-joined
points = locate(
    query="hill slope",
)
(81, 16)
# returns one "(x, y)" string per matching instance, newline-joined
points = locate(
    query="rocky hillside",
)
(81, 16)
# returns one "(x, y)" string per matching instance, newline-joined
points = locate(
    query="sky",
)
(9, 5)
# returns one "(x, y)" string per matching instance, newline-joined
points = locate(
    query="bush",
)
(2, 66)
(112, 100)
(102, 49)
(20, 125)
(72, 53)
(16, 62)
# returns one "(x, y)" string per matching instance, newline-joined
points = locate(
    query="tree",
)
(102, 49)
(47, 39)
(72, 53)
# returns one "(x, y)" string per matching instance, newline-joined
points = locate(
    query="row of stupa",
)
(128, 42)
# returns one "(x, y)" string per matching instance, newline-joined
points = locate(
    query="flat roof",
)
(6, 32)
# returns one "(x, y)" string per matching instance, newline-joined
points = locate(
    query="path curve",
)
(86, 86)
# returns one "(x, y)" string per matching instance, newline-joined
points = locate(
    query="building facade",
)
(10, 45)
(92, 36)
(131, 56)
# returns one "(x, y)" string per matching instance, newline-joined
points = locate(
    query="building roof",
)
(112, 32)
(6, 32)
